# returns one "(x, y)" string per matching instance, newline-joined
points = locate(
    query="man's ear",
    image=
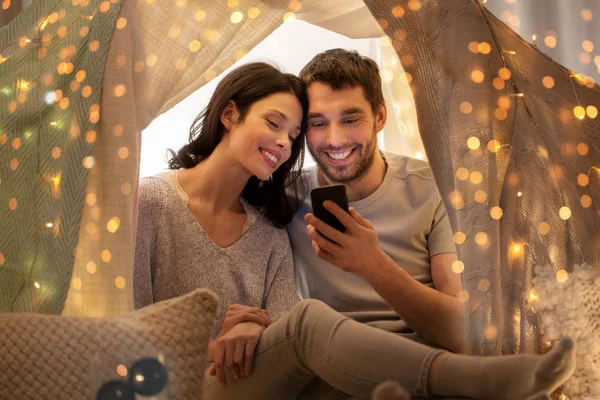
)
(230, 115)
(380, 117)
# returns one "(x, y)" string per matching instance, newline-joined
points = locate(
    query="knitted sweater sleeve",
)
(149, 210)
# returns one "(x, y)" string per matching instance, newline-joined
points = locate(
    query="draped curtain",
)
(507, 150)
(67, 202)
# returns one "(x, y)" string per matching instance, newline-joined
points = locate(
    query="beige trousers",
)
(314, 341)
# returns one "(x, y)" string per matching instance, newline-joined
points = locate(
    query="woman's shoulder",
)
(155, 190)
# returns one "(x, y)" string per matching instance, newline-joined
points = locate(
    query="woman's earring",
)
(260, 183)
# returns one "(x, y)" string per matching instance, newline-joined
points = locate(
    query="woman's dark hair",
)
(278, 198)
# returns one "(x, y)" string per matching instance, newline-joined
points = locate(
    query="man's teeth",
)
(270, 156)
(339, 156)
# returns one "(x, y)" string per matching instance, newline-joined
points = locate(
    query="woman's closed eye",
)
(273, 125)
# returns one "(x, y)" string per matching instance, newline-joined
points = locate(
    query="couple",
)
(216, 221)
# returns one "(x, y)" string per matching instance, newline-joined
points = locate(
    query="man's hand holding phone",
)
(355, 250)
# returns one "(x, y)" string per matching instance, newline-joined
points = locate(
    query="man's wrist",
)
(380, 268)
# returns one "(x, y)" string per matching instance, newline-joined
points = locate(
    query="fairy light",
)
(550, 41)
(458, 267)
(534, 38)
(122, 370)
(562, 276)
(533, 296)
(516, 248)
(23, 84)
(55, 180)
(564, 213)
(44, 24)
(579, 112)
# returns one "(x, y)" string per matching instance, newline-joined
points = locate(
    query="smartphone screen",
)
(335, 193)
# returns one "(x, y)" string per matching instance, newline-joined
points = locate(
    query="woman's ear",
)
(230, 115)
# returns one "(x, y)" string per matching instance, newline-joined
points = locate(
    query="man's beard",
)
(352, 172)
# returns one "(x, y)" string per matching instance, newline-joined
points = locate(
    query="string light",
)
(562, 276)
(516, 248)
(534, 40)
(533, 296)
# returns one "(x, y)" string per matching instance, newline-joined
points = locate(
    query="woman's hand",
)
(237, 313)
(235, 350)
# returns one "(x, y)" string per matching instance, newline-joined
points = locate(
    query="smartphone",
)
(335, 193)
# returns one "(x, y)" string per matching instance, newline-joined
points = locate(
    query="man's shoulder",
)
(404, 167)
(309, 176)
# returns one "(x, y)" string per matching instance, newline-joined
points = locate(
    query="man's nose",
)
(336, 137)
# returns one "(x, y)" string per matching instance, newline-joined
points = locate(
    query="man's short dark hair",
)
(342, 69)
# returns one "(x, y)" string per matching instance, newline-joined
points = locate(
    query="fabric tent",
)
(517, 163)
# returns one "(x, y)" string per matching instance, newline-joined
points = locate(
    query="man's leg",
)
(318, 389)
(314, 340)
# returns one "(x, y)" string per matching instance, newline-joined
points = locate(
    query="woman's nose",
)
(284, 141)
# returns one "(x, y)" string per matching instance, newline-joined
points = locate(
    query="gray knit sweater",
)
(173, 255)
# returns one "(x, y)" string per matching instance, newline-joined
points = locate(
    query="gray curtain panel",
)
(514, 157)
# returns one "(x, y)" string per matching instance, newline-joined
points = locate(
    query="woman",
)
(214, 221)
(200, 224)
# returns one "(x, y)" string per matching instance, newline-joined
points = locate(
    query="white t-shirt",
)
(411, 222)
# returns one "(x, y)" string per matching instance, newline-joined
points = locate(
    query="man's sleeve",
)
(440, 238)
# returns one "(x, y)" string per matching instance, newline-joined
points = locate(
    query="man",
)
(392, 268)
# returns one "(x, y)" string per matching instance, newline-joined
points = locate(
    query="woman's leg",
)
(314, 340)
